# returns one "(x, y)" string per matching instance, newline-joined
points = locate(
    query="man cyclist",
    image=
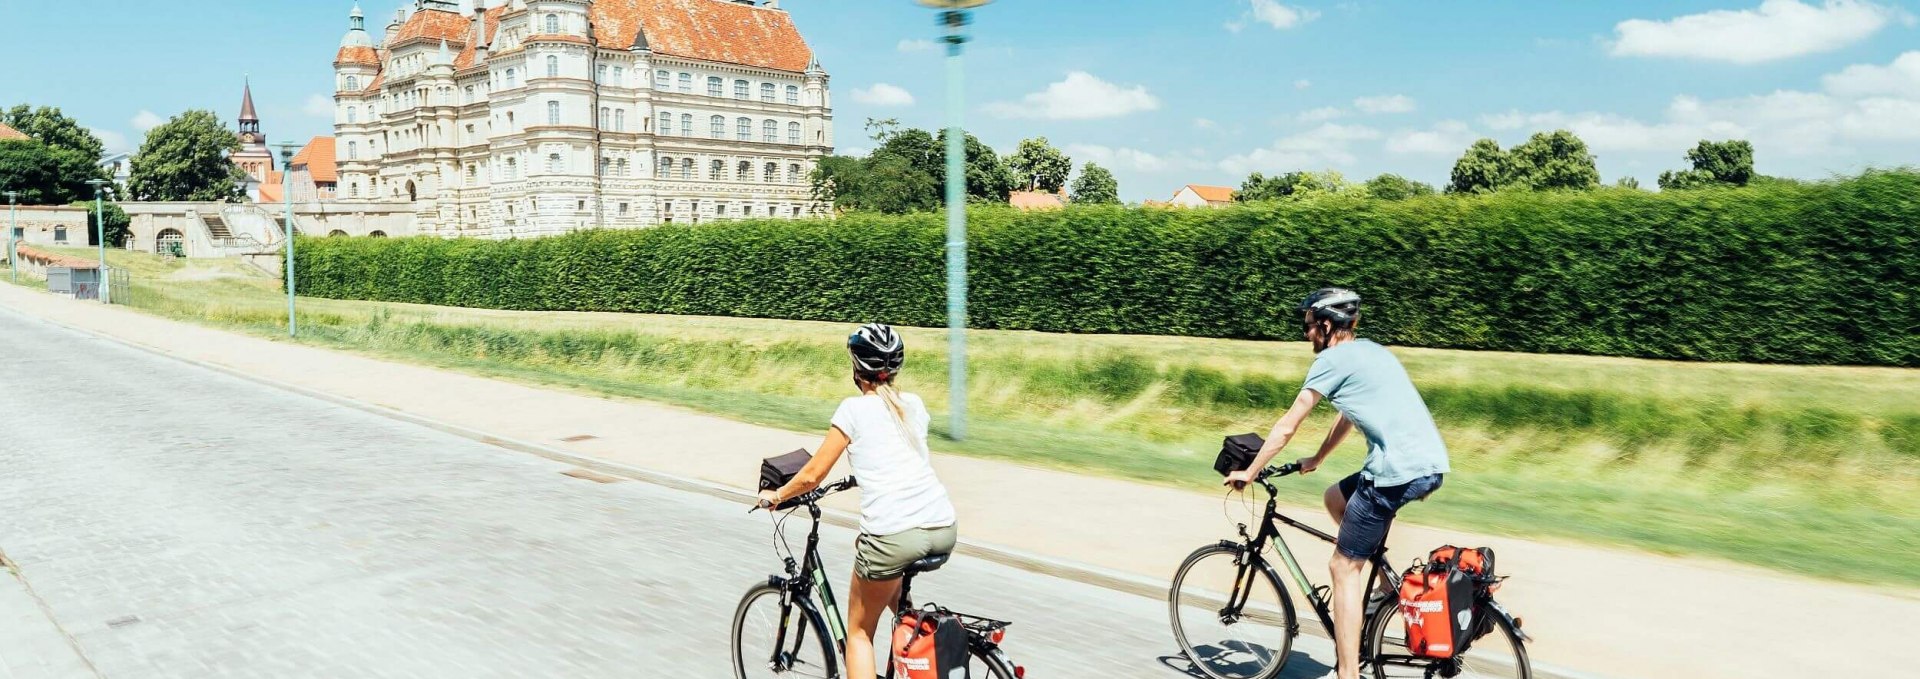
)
(1406, 460)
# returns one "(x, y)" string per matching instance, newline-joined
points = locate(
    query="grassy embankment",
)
(1814, 470)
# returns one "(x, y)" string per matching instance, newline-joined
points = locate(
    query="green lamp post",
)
(954, 16)
(286, 193)
(100, 235)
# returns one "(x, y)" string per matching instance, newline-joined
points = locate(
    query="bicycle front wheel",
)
(1233, 620)
(774, 637)
(1497, 652)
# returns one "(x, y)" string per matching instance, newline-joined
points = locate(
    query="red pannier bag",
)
(1477, 561)
(1436, 602)
(929, 643)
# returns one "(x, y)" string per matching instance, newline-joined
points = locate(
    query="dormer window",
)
(553, 23)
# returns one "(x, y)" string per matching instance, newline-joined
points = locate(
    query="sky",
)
(1162, 92)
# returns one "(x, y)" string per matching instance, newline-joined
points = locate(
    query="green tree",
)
(1095, 185)
(185, 159)
(117, 222)
(1291, 186)
(1554, 160)
(1725, 163)
(44, 175)
(1396, 187)
(989, 180)
(1628, 182)
(51, 127)
(1039, 165)
(1484, 168)
(1681, 180)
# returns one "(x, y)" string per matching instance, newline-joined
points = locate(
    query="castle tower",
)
(253, 156)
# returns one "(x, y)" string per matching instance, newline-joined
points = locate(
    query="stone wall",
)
(49, 225)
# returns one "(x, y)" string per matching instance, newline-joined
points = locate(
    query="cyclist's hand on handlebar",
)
(1239, 479)
(767, 498)
(1308, 464)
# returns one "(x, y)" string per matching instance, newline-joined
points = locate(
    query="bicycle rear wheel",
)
(1248, 641)
(804, 652)
(1496, 653)
(989, 663)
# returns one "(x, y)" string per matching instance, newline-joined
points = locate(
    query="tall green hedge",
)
(1817, 273)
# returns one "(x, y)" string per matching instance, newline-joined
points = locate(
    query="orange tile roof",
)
(708, 30)
(492, 18)
(10, 133)
(1213, 194)
(1035, 200)
(44, 258)
(271, 187)
(433, 25)
(357, 55)
(318, 158)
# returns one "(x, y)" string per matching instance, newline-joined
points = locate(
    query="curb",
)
(1126, 583)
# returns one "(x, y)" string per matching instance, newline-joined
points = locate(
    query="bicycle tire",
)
(997, 664)
(1515, 665)
(1270, 661)
(808, 621)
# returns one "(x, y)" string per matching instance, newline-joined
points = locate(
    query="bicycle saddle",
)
(930, 563)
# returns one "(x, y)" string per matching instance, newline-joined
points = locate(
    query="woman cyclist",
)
(905, 514)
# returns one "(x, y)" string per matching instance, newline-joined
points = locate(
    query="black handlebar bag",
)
(777, 471)
(1237, 453)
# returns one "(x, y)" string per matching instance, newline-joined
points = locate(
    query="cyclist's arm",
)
(1284, 430)
(1336, 435)
(816, 469)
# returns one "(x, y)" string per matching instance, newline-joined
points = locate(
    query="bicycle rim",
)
(1496, 654)
(989, 663)
(806, 653)
(1250, 643)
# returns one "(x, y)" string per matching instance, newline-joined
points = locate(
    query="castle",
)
(539, 117)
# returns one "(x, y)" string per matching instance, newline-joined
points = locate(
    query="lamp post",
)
(953, 15)
(13, 224)
(100, 235)
(286, 190)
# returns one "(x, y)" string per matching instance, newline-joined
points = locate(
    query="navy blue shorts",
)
(1370, 511)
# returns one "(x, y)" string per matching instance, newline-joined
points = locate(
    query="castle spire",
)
(246, 103)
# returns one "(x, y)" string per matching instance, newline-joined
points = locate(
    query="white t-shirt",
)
(898, 490)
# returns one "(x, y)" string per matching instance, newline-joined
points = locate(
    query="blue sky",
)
(1164, 92)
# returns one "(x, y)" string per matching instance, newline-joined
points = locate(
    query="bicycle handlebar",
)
(1287, 469)
(812, 496)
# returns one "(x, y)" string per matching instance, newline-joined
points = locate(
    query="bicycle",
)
(782, 610)
(1233, 600)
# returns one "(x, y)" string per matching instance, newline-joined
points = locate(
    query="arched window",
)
(686, 83)
(353, 83)
(745, 172)
(686, 124)
(619, 77)
(793, 94)
(553, 113)
(606, 118)
(353, 115)
(686, 169)
(743, 129)
(353, 150)
(769, 131)
(554, 164)
(510, 79)
(353, 190)
(793, 133)
(660, 80)
(553, 66)
(620, 120)
(600, 75)
(620, 167)
(714, 85)
(739, 89)
(719, 130)
(793, 173)
(766, 93)
(553, 23)
(718, 171)
(473, 173)
(772, 173)
(606, 166)
(513, 168)
(371, 113)
(469, 99)
(664, 169)
(666, 123)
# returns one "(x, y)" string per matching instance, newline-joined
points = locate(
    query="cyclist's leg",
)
(1349, 591)
(1337, 494)
(866, 601)
(879, 561)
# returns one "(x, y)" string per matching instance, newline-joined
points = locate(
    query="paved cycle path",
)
(171, 521)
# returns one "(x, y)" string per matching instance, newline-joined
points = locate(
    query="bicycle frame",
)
(1255, 560)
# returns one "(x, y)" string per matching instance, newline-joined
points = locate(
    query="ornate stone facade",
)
(540, 117)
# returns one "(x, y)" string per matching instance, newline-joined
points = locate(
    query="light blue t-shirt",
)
(1367, 384)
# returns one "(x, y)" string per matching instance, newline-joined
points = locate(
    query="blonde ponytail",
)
(887, 392)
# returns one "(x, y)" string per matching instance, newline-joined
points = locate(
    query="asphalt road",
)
(168, 521)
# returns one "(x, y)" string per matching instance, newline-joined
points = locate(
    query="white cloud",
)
(1081, 96)
(1320, 115)
(1236, 26)
(1778, 29)
(917, 46)
(1119, 158)
(1446, 137)
(1328, 144)
(1302, 84)
(1901, 78)
(1393, 103)
(1272, 13)
(1204, 124)
(882, 94)
(114, 142)
(147, 120)
(318, 106)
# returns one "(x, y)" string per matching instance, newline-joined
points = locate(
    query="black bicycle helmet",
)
(1336, 305)
(877, 352)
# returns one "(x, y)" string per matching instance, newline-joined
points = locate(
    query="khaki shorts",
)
(885, 557)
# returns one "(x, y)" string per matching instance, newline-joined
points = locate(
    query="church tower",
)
(253, 156)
